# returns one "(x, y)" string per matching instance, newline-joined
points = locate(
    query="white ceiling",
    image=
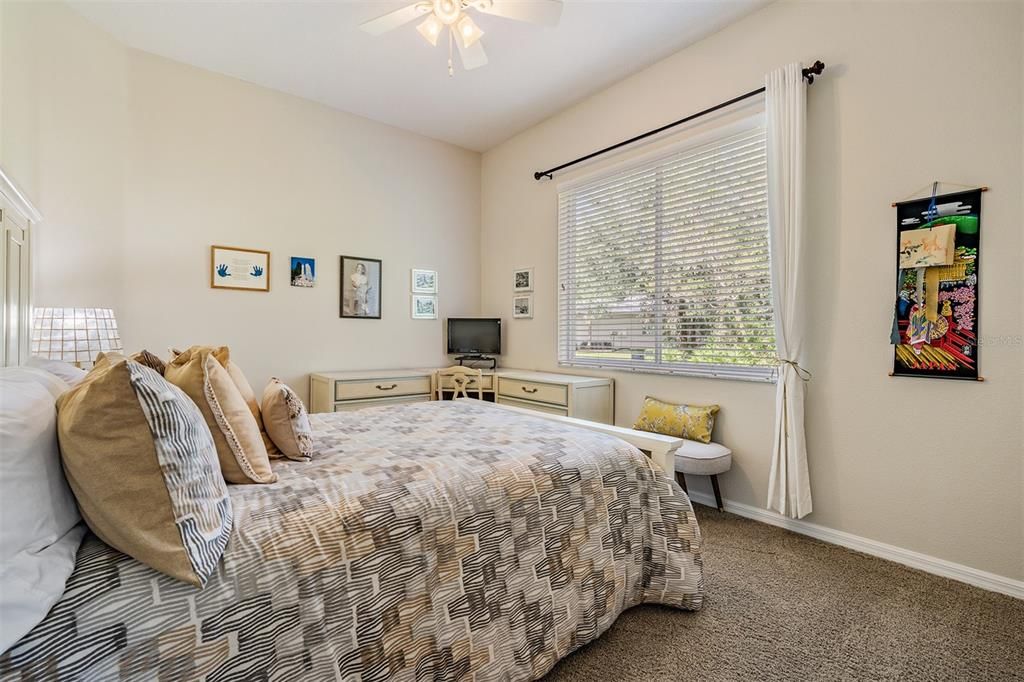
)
(314, 49)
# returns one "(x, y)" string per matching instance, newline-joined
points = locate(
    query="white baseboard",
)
(923, 562)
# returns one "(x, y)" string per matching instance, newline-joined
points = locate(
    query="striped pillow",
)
(188, 460)
(142, 464)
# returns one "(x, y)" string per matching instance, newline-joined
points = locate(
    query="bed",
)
(430, 541)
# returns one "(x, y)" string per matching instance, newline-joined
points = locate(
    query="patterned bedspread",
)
(435, 541)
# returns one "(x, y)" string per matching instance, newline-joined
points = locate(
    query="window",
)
(664, 265)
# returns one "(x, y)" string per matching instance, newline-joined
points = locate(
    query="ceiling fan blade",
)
(473, 57)
(546, 12)
(393, 20)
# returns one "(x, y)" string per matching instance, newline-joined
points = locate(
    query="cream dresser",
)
(568, 395)
(336, 391)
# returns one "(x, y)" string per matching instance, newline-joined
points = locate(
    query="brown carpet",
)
(781, 606)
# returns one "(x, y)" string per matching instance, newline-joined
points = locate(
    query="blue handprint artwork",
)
(236, 268)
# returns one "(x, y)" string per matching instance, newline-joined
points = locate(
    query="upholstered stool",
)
(703, 459)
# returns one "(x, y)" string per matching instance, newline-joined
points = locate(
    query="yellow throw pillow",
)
(143, 467)
(243, 456)
(693, 422)
(287, 421)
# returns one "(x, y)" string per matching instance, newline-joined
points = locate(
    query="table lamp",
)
(74, 335)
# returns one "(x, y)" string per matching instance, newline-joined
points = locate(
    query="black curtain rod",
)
(809, 73)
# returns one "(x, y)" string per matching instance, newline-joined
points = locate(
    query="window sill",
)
(757, 375)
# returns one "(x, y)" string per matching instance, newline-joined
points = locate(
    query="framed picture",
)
(424, 281)
(522, 306)
(424, 307)
(232, 267)
(522, 280)
(360, 287)
(303, 272)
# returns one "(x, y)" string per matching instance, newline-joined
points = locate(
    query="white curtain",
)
(789, 488)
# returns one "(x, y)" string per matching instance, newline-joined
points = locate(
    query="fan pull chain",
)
(451, 67)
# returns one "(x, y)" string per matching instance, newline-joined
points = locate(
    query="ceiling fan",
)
(454, 15)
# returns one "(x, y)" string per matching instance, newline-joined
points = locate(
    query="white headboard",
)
(18, 216)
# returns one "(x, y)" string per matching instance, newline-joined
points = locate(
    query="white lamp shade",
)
(468, 31)
(74, 335)
(430, 29)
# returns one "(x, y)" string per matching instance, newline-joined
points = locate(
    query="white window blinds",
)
(663, 266)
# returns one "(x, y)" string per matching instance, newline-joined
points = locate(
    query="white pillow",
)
(40, 528)
(66, 371)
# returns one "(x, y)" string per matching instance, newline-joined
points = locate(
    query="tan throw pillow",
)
(243, 456)
(141, 462)
(223, 355)
(249, 395)
(287, 421)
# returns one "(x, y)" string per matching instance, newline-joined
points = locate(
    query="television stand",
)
(478, 358)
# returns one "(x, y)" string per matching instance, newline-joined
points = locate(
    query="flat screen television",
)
(474, 335)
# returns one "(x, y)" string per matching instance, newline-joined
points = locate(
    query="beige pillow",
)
(286, 420)
(243, 456)
(141, 462)
(223, 355)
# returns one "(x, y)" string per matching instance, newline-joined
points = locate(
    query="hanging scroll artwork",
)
(935, 322)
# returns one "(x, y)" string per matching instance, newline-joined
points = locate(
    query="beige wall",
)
(139, 164)
(913, 92)
(214, 160)
(64, 117)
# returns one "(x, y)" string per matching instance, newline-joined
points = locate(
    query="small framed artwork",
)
(424, 307)
(424, 281)
(303, 272)
(522, 280)
(360, 287)
(522, 306)
(236, 268)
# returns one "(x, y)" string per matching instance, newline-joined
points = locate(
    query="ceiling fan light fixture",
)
(431, 29)
(454, 16)
(468, 31)
(448, 11)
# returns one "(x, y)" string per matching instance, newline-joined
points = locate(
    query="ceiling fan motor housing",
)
(448, 11)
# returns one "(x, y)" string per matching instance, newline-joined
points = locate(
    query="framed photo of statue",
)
(233, 267)
(360, 287)
(303, 272)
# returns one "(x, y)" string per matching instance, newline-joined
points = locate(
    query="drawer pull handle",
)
(386, 388)
(528, 390)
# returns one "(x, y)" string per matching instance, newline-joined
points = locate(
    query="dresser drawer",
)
(350, 405)
(487, 381)
(381, 388)
(533, 391)
(536, 407)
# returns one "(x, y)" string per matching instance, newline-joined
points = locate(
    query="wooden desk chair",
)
(461, 380)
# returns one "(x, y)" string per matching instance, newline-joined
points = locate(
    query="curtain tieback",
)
(800, 371)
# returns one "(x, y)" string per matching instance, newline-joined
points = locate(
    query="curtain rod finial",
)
(813, 70)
